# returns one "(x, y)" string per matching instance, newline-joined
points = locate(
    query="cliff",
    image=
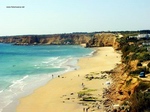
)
(103, 39)
(57, 39)
(90, 40)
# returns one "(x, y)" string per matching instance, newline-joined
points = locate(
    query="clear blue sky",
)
(66, 16)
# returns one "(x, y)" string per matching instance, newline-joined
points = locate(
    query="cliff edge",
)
(56, 39)
(90, 40)
(103, 39)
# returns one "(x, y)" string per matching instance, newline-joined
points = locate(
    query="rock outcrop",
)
(103, 39)
(124, 85)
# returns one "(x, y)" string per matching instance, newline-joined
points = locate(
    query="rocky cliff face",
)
(91, 40)
(60, 39)
(103, 39)
(122, 88)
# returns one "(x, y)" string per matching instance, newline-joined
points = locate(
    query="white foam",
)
(18, 81)
(50, 60)
(90, 54)
(1, 91)
(57, 62)
(45, 62)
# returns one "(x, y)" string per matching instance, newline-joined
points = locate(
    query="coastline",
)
(52, 65)
(61, 94)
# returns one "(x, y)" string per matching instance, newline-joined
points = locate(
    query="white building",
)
(146, 44)
(143, 36)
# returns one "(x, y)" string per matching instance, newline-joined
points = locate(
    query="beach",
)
(61, 94)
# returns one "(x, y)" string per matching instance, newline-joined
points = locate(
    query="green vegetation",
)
(85, 95)
(89, 98)
(124, 40)
(89, 77)
(134, 52)
(139, 64)
(136, 72)
(132, 49)
(143, 86)
(128, 82)
(141, 56)
(141, 98)
(92, 76)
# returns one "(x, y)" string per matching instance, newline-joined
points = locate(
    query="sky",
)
(67, 16)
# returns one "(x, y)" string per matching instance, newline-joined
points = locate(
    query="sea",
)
(25, 68)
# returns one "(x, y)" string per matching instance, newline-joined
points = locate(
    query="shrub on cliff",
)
(126, 49)
(143, 56)
(141, 98)
(139, 64)
(137, 52)
(137, 72)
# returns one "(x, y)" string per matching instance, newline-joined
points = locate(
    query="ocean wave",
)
(59, 50)
(92, 53)
(1, 91)
(45, 62)
(49, 60)
(17, 82)
(58, 62)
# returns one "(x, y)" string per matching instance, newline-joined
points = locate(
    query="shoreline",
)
(70, 65)
(29, 90)
(62, 92)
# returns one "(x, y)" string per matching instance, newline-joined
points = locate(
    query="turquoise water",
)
(23, 68)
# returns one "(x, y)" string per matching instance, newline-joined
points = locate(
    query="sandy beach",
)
(62, 93)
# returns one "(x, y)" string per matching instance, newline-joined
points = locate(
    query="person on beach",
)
(82, 85)
(83, 109)
(87, 109)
